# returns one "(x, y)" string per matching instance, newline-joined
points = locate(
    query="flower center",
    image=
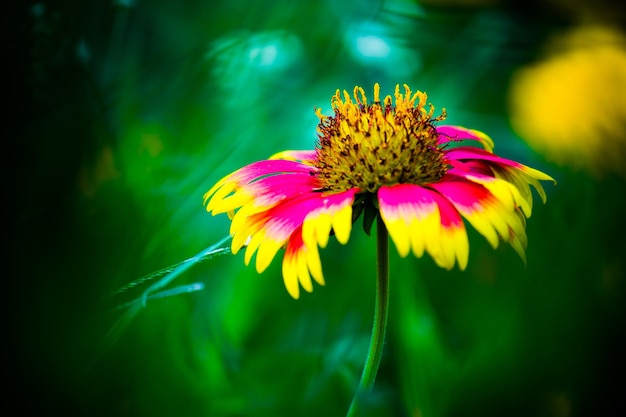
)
(370, 145)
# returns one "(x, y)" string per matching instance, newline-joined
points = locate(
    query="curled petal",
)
(449, 133)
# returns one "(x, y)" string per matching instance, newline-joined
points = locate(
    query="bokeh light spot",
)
(372, 46)
(263, 55)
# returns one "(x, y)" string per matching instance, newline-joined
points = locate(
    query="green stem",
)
(381, 310)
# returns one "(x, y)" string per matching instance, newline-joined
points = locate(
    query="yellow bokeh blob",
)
(571, 106)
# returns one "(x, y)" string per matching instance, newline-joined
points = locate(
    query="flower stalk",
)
(381, 310)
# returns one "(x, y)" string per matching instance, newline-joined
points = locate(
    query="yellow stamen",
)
(366, 146)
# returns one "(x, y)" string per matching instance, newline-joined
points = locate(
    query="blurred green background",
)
(133, 109)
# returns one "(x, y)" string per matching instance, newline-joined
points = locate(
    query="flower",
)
(568, 105)
(384, 159)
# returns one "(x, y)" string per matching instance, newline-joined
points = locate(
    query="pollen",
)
(367, 146)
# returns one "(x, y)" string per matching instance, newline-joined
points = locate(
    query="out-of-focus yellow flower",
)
(571, 106)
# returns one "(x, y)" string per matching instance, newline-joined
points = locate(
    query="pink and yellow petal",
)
(241, 182)
(505, 192)
(258, 230)
(523, 177)
(468, 156)
(470, 201)
(266, 252)
(334, 211)
(519, 241)
(520, 176)
(267, 235)
(299, 264)
(420, 220)
(402, 205)
(264, 192)
(316, 230)
(270, 191)
(342, 219)
(488, 215)
(214, 198)
(267, 231)
(454, 241)
(469, 153)
(307, 156)
(448, 133)
(291, 271)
